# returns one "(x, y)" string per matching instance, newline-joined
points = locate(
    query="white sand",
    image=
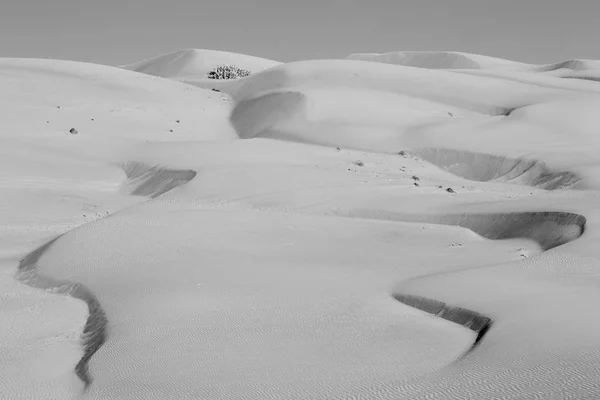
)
(266, 267)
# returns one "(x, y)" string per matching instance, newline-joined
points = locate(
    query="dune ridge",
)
(143, 180)
(549, 229)
(478, 323)
(94, 332)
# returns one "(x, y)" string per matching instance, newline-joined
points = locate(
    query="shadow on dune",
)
(144, 180)
(482, 167)
(478, 323)
(252, 117)
(152, 181)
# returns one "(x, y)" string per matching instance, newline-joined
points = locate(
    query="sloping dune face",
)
(345, 229)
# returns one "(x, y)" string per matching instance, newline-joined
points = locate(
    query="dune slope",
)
(193, 65)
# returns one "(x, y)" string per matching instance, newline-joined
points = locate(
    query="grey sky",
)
(121, 31)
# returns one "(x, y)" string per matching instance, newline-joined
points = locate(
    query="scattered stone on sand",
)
(73, 131)
(450, 190)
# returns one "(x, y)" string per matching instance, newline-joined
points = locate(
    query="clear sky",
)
(116, 32)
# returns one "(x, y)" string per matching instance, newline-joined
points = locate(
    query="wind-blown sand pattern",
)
(331, 229)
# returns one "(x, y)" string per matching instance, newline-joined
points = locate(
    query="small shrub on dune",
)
(228, 72)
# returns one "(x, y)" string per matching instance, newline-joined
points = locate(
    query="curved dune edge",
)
(478, 323)
(94, 332)
(549, 229)
(143, 180)
(483, 167)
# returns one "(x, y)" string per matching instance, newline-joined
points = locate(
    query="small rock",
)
(337, 148)
(177, 121)
(416, 184)
(215, 90)
(73, 131)
(359, 163)
(402, 153)
(415, 178)
(450, 190)
(439, 186)
(170, 130)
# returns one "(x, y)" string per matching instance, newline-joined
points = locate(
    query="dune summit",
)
(414, 225)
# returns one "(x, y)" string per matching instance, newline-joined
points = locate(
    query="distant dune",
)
(193, 65)
(458, 60)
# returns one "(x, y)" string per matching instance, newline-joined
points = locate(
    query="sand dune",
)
(193, 65)
(458, 60)
(284, 246)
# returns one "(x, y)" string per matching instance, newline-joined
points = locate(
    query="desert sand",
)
(411, 225)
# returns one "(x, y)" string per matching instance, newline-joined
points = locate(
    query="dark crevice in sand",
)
(94, 333)
(482, 167)
(144, 181)
(478, 323)
(152, 181)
